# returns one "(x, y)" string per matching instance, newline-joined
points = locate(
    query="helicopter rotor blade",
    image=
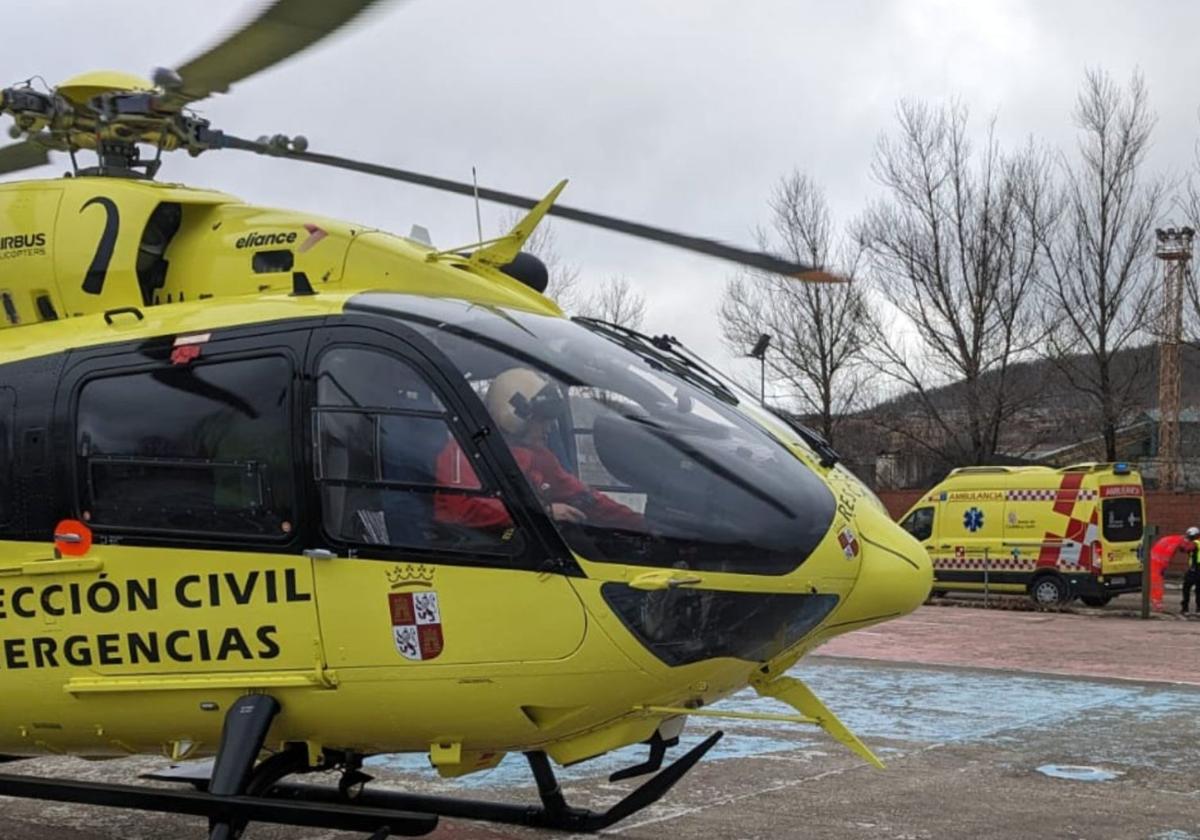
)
(24, 155)
(712, 248)
(281, 30)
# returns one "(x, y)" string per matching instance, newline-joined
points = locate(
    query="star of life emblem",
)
(416, 625)
(849, 543)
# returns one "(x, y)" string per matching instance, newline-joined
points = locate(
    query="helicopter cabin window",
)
(203, 450)
(919, 523)
(387, 461)
(7, 403)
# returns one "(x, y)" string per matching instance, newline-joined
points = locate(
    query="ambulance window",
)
(390, 470)
(1123, 520)
(202, 450)
(8, 400)
(919, 523)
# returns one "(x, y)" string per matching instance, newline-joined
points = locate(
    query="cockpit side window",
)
(387, 461)
(203, 450)
(7, 405)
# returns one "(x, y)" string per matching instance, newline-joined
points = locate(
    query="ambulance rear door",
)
(1122, 518)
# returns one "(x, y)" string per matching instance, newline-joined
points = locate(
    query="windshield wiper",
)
(664, 351)
(815, 440)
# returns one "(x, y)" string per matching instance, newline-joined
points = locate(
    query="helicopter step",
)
(234, 773)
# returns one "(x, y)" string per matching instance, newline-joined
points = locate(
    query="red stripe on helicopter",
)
(315, 235)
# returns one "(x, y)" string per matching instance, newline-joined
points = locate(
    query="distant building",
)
(1137, 443)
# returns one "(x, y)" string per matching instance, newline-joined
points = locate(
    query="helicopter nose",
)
(896, 573)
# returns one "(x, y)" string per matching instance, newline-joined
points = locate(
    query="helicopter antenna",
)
(478, 218)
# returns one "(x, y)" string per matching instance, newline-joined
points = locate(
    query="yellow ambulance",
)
(1055, 534)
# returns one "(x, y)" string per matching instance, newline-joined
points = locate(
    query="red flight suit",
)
(1160, 557)
(550, 481)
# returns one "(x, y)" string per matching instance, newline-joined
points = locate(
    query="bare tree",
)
(1191, 208)
(953, 256)
(1099, 251)
(816, 330)
(615, 301)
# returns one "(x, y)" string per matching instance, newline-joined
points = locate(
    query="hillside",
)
(1049, 382)
(895, 443)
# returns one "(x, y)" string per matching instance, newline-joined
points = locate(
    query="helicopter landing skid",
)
(376, 822)
(379, 813)
(232, 796)
(554, 811)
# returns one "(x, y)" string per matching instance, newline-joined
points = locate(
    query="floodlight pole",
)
(760, 352)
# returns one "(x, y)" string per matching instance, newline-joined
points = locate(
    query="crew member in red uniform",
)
(1161, 555)
(524, 404)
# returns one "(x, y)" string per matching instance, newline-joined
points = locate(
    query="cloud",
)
(677, 114)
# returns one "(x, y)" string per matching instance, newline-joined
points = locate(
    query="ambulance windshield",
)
(639, 459)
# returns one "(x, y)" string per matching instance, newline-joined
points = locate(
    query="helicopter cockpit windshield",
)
(638, 458)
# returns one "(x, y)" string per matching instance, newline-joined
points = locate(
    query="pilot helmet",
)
(519, 395)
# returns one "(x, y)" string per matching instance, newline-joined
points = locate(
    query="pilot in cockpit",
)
(524, 405)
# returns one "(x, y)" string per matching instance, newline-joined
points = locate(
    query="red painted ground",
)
(1111, 647)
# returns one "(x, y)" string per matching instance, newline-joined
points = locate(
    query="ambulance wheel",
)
(1096, 600)
(1049, 591)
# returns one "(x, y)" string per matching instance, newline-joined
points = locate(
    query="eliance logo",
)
(256, 240)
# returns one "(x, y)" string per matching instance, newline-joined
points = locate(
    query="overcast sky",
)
(682, 114)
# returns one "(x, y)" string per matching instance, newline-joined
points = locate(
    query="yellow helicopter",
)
(289, 492)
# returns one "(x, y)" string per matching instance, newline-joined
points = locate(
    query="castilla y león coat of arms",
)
(416, 624)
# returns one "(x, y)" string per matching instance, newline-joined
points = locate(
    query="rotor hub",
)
(81, 89)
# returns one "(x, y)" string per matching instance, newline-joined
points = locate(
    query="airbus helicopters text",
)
(290, 492)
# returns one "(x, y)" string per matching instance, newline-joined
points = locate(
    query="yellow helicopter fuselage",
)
(141, 642)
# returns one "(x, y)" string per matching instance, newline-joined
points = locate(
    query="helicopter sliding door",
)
(395, 442)
(184, 465)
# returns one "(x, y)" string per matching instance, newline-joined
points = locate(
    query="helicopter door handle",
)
(54, 566)
(663, 580)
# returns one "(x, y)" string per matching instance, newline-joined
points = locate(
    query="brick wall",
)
(899, 501)
(1172, 513)
(1166, 513)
